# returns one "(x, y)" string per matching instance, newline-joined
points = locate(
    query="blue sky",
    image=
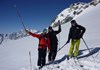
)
(36, 14)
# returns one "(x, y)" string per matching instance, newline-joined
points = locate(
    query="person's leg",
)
(54, 52)
(44, 57)
(50, 55)
(77, 44)
(39, 57)
(71, 48)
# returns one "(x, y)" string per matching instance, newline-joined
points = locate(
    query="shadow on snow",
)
(93, 51)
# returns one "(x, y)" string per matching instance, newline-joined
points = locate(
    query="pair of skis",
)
(75, 61)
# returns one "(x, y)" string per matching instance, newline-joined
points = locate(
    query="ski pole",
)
(18, 13)
(61, 47)
(30, 60)
(87, 46)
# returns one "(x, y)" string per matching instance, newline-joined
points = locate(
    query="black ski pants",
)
(53, 52)
(41, 57)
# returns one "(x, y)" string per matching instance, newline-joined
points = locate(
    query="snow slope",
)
(14, 54)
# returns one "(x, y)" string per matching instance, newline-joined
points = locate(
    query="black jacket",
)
(76, 32)
(53, 37)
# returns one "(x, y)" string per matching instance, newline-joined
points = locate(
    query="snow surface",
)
(14, 54)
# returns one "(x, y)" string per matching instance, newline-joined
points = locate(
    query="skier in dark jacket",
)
(75, 34)
(44, 42)
(53, 42)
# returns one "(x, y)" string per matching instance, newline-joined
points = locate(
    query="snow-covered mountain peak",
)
(73, 10)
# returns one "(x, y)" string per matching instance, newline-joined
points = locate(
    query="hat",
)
(45, 30)
(50, 27)
(73, 21)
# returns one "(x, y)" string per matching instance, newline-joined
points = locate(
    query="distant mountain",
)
(15, 35)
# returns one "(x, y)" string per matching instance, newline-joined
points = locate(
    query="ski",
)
(51, 65)
(52, 62)
(77, 62)
(38, 68)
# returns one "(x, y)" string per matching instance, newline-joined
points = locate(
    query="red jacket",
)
(44, 42)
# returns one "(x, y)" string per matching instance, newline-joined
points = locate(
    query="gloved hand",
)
(27, 31)
(59, 22)
(81, 35)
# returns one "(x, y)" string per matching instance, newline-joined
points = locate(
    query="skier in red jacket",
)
(42, 48)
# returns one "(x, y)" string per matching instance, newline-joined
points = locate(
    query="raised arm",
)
(33, 34)
(59, 28)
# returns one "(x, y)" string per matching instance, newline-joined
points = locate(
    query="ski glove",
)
(81, 35)
(27, 31)
(59, 22)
